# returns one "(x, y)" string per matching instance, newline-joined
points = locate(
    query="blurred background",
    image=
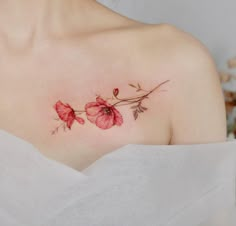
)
(212, 22)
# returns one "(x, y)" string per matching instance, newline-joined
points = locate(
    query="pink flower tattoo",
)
(102, 113)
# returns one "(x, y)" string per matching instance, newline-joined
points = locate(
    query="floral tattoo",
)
(102, 113)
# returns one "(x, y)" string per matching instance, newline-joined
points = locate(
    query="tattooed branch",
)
(102, 113)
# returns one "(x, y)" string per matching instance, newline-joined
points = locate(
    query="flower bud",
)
(115, 92)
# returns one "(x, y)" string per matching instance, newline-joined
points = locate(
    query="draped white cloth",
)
(135, 185)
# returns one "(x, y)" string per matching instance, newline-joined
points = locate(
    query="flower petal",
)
(80, 120)
(70, 122)
(92, 118)
(101, 101)
(92, 108)
(118, 119)
(63, 110)
(105, 121)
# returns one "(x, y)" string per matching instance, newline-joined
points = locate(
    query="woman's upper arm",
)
(197, 105)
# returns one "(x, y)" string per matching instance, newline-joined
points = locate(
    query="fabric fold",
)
(134, 185)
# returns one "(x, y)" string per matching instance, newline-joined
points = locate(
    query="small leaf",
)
(132, 85)
(55, 131)
(134, 107)
(140, 109)
(139, 86)
(143, 108)
(138, 90)
(64, 127)
(135, 113)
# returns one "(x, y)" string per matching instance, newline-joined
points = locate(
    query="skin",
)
(77, 49)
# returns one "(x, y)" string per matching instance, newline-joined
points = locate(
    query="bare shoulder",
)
(195, 98)
(171, 43)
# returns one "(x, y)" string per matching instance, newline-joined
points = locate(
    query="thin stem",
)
(131, 100)
(55, 130)
(138, 97)
(139, 100)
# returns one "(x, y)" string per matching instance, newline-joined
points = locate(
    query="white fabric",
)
(135, 185)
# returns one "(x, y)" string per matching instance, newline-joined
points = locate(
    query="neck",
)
(24, 19)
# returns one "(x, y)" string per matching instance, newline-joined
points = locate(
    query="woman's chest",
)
(76, 112)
